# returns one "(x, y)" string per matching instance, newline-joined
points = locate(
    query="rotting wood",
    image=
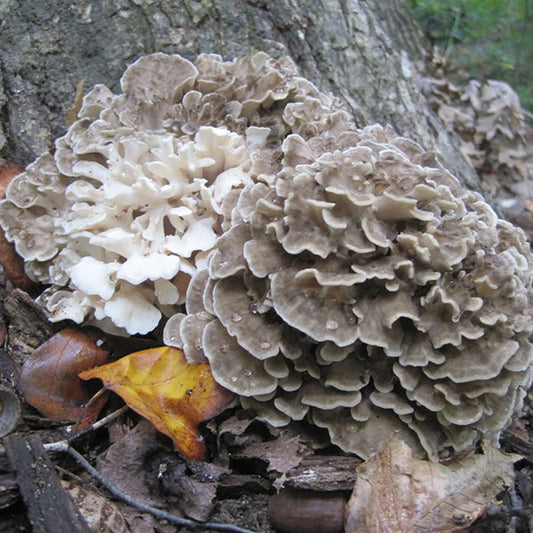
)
(236, 485)
(50, 507)
(9, 493)
(323, 473)
(28, 326)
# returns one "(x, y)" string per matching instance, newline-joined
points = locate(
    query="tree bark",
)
(363, 51)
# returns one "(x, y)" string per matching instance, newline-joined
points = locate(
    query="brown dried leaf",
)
(397, 493)
(8, 171)
(49, 377)
(195, 484)
(124, 462)
(101, 515)
(282, 454)
(72, 114)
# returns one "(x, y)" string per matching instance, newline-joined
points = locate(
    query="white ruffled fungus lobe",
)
(123, 212)
(331, 275)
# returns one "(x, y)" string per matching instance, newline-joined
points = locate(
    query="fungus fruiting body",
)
(329, 274)
(373, 293)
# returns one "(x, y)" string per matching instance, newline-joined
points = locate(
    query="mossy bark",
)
(360, 50)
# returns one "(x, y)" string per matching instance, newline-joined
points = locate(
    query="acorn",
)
(307, 511)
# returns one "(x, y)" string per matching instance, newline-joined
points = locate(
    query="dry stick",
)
(64, 446)
(99, 423)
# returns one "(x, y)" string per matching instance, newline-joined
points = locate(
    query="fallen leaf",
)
(49, 377)
(193, 483)
(8, 171)
(101, 515)
(281, 455)
(397, 493)
(9, 410)
(10, 260)
(124, 462)
(174, 395)
(72, 113)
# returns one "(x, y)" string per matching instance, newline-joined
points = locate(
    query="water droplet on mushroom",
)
(332, 324)
(236, 317)
(254, 308)
(234, 379)
(224, 348)
(247, 372)
(265, 345)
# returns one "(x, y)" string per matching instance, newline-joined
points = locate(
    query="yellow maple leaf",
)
(173, 394)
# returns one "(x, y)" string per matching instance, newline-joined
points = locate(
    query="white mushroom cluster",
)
(334, 276)
(121, 215)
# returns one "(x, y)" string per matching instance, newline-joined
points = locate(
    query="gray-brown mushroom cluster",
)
(367, 291)
(338, 276)
(487, 119)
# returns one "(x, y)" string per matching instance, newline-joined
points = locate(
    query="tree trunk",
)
(363, 51)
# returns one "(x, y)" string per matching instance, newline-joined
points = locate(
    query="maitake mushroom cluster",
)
(338, 276)
(488, 119)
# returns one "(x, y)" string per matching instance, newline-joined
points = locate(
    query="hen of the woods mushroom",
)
(333, 275)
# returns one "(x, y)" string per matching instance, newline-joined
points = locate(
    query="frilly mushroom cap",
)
(135, 194)
(390, 297)
(335, 274)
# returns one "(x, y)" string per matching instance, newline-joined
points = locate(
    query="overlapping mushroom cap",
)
(367, 291)
(330, 274)
(120, 216)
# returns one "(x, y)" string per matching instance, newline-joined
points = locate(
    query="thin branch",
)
(98, 424)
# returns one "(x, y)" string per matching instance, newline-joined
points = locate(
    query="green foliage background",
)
(485, 39)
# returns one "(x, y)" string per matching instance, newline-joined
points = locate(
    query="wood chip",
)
(50, 507)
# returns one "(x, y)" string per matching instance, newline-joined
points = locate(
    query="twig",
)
(64, 446)
(98, 424)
